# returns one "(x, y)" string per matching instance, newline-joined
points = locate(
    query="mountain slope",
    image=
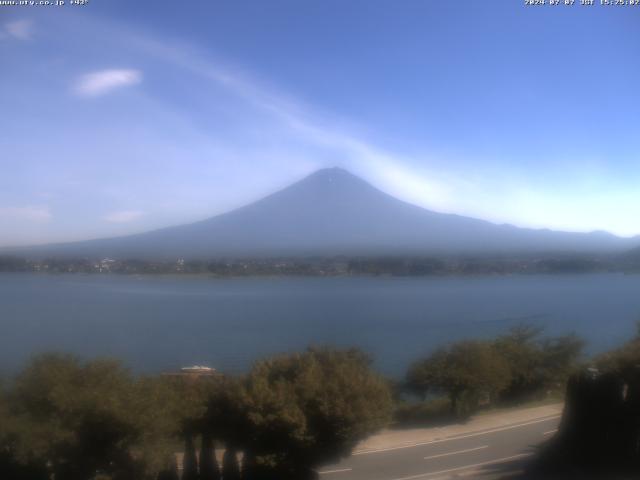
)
(334, 212)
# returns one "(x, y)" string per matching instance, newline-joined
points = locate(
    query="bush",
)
(429, 413)
(310, 408)
(467, 372)
(81, 418)
(537, 365)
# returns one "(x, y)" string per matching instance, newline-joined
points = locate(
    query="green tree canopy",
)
(560, 357)
(465, 371)
(304, 409)
(536, 364)
(623, 361)
(82, 418)
(521, 349)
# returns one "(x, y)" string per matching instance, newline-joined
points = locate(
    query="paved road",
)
(487, 454)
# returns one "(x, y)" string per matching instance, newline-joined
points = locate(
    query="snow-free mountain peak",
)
(333, 212)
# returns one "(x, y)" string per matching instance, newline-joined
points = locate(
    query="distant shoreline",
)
(339, 266)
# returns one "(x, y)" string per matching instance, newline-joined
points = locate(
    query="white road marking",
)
(466, 467)
(550, 432)
(485, 432)
(340, 470)
(456, 453)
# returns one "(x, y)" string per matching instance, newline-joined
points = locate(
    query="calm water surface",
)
(160, 323)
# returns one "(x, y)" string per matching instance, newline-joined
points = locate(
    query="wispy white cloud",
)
(321, 136)
(415, 177)
(19, 29)
(28, 213)
(104, 81)
(388, 169)
(207, 170)
(123, 216)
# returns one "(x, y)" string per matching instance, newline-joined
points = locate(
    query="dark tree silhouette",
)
(170, 473)
(249, 467)
(11, 469)
(599, 433)
(209, 469)
(230, 465)
(190, 461)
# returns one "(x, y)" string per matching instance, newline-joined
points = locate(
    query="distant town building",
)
(105, 265)
(180, 265)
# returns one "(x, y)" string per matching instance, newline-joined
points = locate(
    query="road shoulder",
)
(395, 439)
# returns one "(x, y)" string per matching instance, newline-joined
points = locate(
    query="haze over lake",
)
(163, 323)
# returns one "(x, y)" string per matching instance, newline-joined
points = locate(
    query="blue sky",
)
(122, 116)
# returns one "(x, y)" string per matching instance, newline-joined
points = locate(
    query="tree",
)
(249, 466)
(536, 364)
(190, 398)
(465, 371)
(194, 399)
(72, 416)
(309, 408)
(81, 418)
(189, 460)
(12, 467)
(209, 469)
(560, 357)
(599, 430)
(225, 418)
(623, 361)
(230, 465)
(521, 349)
(170, 472)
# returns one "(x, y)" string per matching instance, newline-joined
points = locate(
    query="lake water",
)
(163, 323)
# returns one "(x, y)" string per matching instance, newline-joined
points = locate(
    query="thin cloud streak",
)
(426, 186)
(386, 169)
(123, 216)
(447, 191)
(26, 213)
(102, 82)
(206, 167)
(19, 29)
